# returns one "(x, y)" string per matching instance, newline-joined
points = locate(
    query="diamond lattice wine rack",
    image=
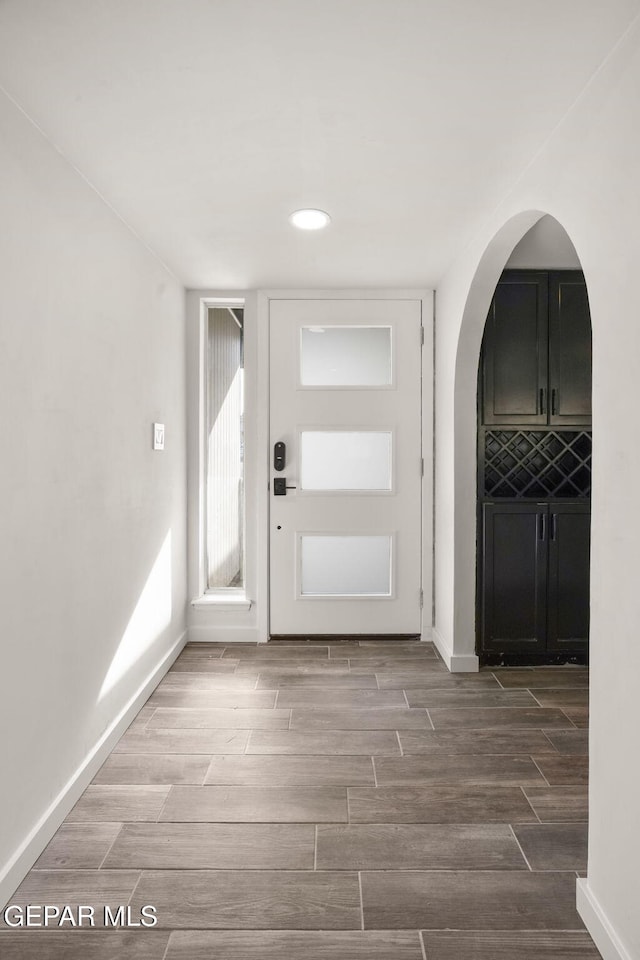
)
(535, 464)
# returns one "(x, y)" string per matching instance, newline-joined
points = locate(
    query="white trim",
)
(215, 616)
(221, 603)
(598, 924)
(262, 466)
(428, 452)
(32, 846)
(214, 621)
(208, 303)
(210, 633)
(361, 293)
(455, 662)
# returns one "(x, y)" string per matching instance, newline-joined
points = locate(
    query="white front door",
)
(345, 491)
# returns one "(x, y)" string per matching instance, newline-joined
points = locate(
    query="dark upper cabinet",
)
(515, 355)
(535, 585)
(536, 355)
(569, 349)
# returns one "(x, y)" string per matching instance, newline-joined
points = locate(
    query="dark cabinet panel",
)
(514, 561)
(536, 354)
(535, 580)
(568, 594)
(569, 349)
(515, 351)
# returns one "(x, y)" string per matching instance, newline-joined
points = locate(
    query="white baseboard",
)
(231, 635)
(597, 923)
(455, 662)
(212, 634)
(14, 872)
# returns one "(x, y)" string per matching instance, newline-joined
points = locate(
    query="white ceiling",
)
(206, 122)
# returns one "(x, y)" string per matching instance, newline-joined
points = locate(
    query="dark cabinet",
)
(569, 349)
(534, 449)
(536, 357)
(568, 577)
(515, 354)
(535, 585)
(514, 561)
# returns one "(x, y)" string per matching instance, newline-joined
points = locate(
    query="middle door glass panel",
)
(346, 460)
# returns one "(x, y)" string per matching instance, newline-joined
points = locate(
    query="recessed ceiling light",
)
(309, 219)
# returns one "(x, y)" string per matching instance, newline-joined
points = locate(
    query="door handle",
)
(279, 455)
(541, 399)
(554, 525)
(553, 402)
(280, 487)
(542, 524)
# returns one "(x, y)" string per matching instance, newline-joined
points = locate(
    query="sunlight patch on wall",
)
(151, 616)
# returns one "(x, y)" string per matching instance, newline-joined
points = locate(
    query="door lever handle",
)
(280, 487)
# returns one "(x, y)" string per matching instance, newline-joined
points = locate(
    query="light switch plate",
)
(158, 436)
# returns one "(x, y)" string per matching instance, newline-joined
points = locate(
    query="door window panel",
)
(345, 357)
(351, 566)
(345, 460)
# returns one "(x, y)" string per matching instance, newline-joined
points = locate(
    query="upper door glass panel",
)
(345, 356)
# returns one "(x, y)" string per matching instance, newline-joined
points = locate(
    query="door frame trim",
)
(210, 618)
(249, 622)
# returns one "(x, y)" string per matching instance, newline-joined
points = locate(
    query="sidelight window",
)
(225, 449)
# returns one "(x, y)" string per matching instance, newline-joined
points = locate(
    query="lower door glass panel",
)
(345, 566)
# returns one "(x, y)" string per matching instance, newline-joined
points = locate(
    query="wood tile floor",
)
(351, 801)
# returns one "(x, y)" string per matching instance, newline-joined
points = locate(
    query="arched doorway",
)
(464, 494)
(534, 458)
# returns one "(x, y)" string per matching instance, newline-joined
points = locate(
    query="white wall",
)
(587, 178)
(546, 246)
(92, 524)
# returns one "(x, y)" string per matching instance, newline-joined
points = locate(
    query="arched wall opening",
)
(585, 175)
(494, 260)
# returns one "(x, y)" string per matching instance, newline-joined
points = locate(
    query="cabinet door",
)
(515, 355)
(568, 594)
(514, 578)
(569, 349)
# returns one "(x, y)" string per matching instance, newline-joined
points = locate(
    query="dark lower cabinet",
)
(568, 577)
(534, 581)
(514, 567)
